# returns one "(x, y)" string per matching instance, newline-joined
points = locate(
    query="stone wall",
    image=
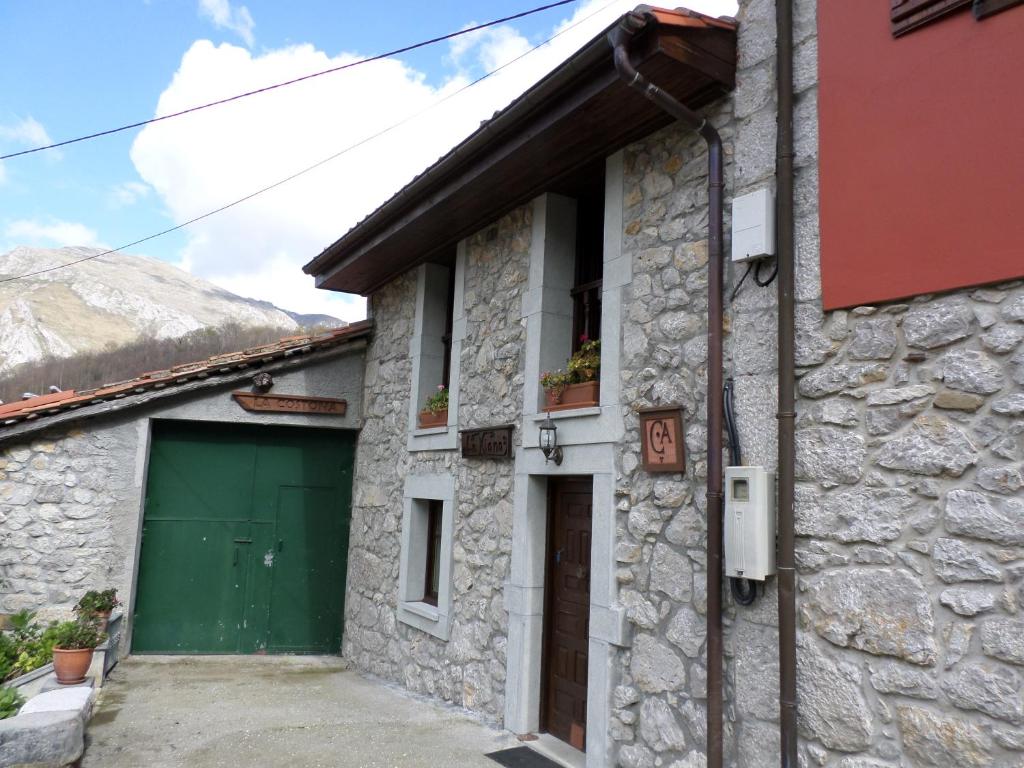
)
(468, 669)
(57, 495)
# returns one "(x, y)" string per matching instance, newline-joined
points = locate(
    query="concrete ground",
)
(271, 711)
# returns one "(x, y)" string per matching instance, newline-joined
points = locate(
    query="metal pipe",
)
(787, 379)
(620, 38)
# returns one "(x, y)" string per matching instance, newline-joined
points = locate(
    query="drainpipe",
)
(787, 379)
(620, 38)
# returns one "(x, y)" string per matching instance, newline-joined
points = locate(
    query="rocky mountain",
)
(111, 300)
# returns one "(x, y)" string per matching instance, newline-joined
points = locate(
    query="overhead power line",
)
(236, 97)
(317, 164)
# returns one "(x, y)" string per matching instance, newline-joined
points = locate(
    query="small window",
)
(432, 572)
(446, 337)
(589, 270)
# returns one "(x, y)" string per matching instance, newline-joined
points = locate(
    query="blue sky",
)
(73, 67)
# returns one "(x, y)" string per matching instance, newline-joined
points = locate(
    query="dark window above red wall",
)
(920, 153)
(907, 15)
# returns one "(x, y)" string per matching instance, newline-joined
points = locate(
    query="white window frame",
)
(419, 490)
(431, 302)
(547, 312)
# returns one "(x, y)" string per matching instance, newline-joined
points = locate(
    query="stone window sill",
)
(423, 610)
(572, 413)
(430, 431)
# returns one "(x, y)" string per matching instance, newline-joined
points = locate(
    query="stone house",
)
(180, 485)
(571, 598)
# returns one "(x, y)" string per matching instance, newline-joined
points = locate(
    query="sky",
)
(74, 68)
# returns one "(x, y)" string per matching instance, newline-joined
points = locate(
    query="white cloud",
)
(127, 193)
(51, 232)
(26, 134)
(491, 48)
(213, 157)
(223, 14)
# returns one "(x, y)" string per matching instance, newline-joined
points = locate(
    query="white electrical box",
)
(753, 225)
(749, 523)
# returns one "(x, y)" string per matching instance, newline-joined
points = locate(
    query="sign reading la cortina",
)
(324, 406)
(488, 443)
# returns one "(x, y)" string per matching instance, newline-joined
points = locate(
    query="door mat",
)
(521, 757)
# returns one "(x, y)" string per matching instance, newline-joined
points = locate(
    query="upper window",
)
(586, 290)
(907, 15)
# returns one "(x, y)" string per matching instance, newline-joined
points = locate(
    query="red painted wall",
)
(921, 152)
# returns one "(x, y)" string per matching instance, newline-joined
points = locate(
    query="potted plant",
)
(579, 385)
(97, 605)
(435, 411)
(74, 643)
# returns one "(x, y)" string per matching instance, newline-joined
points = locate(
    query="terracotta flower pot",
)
(429, 419)
(101, 619)
(585, 395)
(71, 665)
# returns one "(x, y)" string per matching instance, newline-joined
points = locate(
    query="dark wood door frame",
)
(558, 490)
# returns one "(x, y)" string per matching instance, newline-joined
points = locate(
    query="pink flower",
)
(584, 338)
(440, 387)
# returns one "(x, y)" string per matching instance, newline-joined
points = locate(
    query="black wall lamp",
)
(549, 441)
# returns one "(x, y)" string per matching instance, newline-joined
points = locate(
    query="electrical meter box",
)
(749, 523)
(753, 225)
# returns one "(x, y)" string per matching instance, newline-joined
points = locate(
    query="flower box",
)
(585, 395)
(431, 419)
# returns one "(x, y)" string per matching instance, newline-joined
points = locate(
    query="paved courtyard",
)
(270, 712)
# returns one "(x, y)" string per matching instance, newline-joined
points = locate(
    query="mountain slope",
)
(110, 300)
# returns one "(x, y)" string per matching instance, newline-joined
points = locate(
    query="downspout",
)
(787, 381)
(620, 38)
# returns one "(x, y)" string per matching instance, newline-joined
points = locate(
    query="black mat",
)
(522, 757)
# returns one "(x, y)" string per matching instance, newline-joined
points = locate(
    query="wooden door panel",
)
(567, 621)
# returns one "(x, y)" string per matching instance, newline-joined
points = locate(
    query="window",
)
(432, 572)
(908, 15)
(446, 337)
(434, 350)
(589, 270)
(425, 562)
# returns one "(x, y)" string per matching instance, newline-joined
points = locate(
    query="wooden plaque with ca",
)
(662, 445)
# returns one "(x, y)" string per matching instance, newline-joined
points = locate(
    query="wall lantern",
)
(549, 441)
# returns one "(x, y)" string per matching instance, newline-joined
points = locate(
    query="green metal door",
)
(244, 541)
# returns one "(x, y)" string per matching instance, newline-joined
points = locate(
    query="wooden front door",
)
(567, 619)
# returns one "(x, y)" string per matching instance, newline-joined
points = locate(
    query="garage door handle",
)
(243, 541)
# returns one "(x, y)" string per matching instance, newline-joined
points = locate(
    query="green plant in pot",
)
(579, 384)
(435, 410)
(96, 606)
(74, 643)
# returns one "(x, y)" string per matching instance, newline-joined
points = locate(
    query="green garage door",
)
(245, 540)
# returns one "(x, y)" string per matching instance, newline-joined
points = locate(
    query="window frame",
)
(435, 350)
(414, 607)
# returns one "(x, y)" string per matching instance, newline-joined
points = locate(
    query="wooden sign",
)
(322, 406)
(661, 439)
(488, 442)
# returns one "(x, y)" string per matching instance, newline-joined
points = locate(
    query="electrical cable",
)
(315, 165)
(771, 277)
(744, 591)
(236, 97)
(736, 290)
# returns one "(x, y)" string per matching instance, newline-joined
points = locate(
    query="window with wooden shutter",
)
(986, 8)
(911, 14)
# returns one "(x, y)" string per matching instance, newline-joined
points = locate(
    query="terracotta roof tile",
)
(58, 402)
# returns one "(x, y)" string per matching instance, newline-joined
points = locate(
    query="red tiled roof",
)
(68, 399)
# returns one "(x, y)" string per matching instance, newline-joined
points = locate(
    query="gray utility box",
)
(749, 523)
